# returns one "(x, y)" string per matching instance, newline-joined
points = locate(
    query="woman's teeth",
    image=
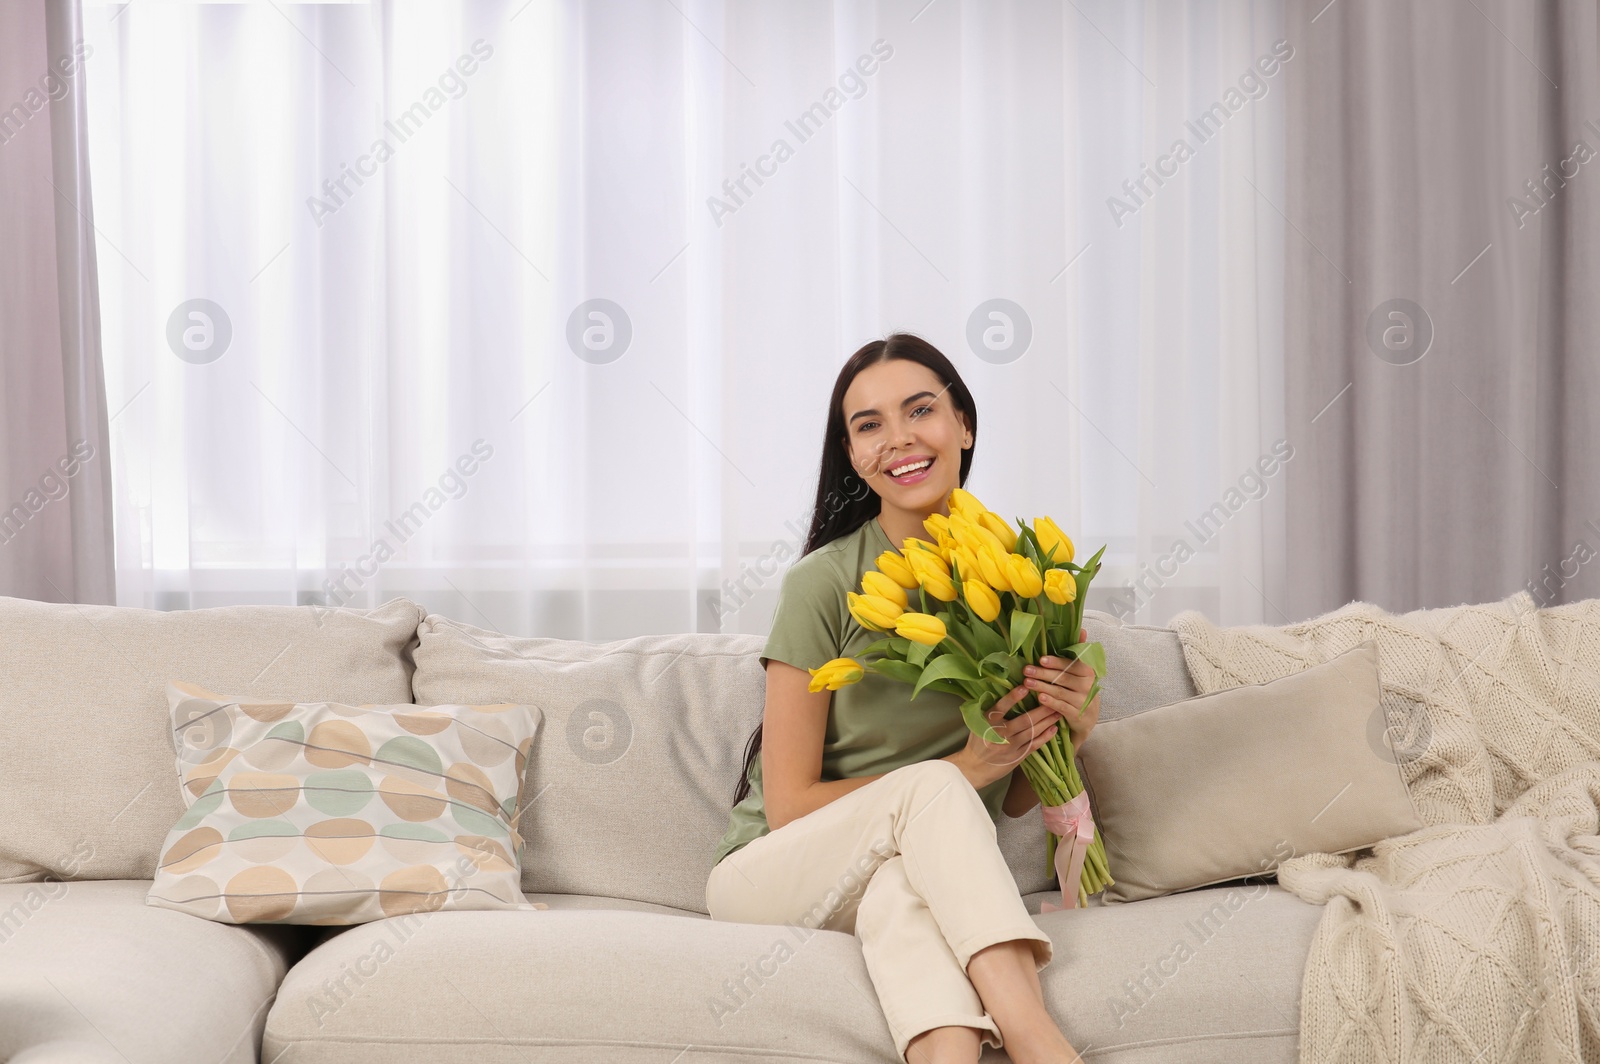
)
(914, 467)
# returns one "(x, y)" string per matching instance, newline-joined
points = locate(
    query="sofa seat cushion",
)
(89, 972)
(568, 901)
(596, 902)
(1206, 976)
(603, 979)
(577, 985)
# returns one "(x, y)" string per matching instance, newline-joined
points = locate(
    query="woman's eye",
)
(919, 411)
(863, 426)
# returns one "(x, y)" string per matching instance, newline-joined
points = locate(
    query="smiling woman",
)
(910, 455)
(914, 379)
(850, 768)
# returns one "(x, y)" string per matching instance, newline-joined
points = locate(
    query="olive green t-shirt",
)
(873, 726)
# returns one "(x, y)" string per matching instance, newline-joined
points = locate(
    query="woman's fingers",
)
(1011, 698)
(1029, 726)
(1077, 674)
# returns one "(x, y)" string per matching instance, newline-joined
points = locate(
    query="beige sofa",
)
(632, 775)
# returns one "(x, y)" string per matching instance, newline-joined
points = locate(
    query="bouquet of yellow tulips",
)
(1009, 595)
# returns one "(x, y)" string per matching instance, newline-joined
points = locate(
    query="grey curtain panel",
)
(1443, 303)
(55, 476)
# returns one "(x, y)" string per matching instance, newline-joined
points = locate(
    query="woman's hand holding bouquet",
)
(995, 606)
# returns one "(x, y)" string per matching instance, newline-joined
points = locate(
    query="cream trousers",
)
(909, 864)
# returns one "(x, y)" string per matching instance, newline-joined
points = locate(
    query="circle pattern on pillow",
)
(324, 813)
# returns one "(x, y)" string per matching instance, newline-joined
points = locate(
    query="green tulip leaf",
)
(917, 653)
(1093, 654)
(895, 646)
(996, 665)
(1094, 689)
(903, 671)
(981, 636)
(1007, 667)
(1082, 578)
(1024, 629)
(1028, 546)
(945, 667)
(1060, 637)
(972, 712)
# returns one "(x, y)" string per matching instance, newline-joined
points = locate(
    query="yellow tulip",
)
(1050, 535)
(923, 561)
(897, 569)
(877, 585)
(966, 562)
(965, 533)
(992, 566)
(972, 534)
(938, 526)
(938, 585)
(966, 504)
(932, 574)
(911, 544)
(878, 614)
(921, 628)
(984, 602)
(1059, 586)
(1000, 528)
(840, 672)
(1025, 578)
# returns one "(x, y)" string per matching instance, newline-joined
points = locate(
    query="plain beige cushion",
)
(89, 765)
(1206, 977)
(89, 972)
(1227, 785)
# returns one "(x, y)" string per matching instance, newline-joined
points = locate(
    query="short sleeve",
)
(807, 627)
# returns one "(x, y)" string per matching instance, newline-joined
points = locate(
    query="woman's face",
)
(905, 434)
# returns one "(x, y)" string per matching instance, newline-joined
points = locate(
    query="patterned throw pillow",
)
(321, 813)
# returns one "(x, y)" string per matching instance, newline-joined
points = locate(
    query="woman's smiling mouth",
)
(910, 470)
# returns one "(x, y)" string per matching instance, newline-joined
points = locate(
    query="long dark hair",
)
(841, 505)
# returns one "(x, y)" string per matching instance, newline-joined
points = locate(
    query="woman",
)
(863, 786)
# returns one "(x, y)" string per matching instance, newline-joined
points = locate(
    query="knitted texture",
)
(1477, 938)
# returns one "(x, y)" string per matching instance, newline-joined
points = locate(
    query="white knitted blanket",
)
(1476, 939)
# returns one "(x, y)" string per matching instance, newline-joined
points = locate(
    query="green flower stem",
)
(1055, 779)
(960, 646)
(1064, 767)
(1053, 783)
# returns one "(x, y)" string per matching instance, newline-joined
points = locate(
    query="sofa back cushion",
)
(632, 775)
(89, 786)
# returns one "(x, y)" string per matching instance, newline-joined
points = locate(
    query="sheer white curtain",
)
(350, 255)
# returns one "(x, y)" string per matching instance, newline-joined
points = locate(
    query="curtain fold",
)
(55, 485)
(609, 257)
(1442, 325)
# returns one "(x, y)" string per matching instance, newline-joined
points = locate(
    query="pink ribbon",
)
(1073, 826)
